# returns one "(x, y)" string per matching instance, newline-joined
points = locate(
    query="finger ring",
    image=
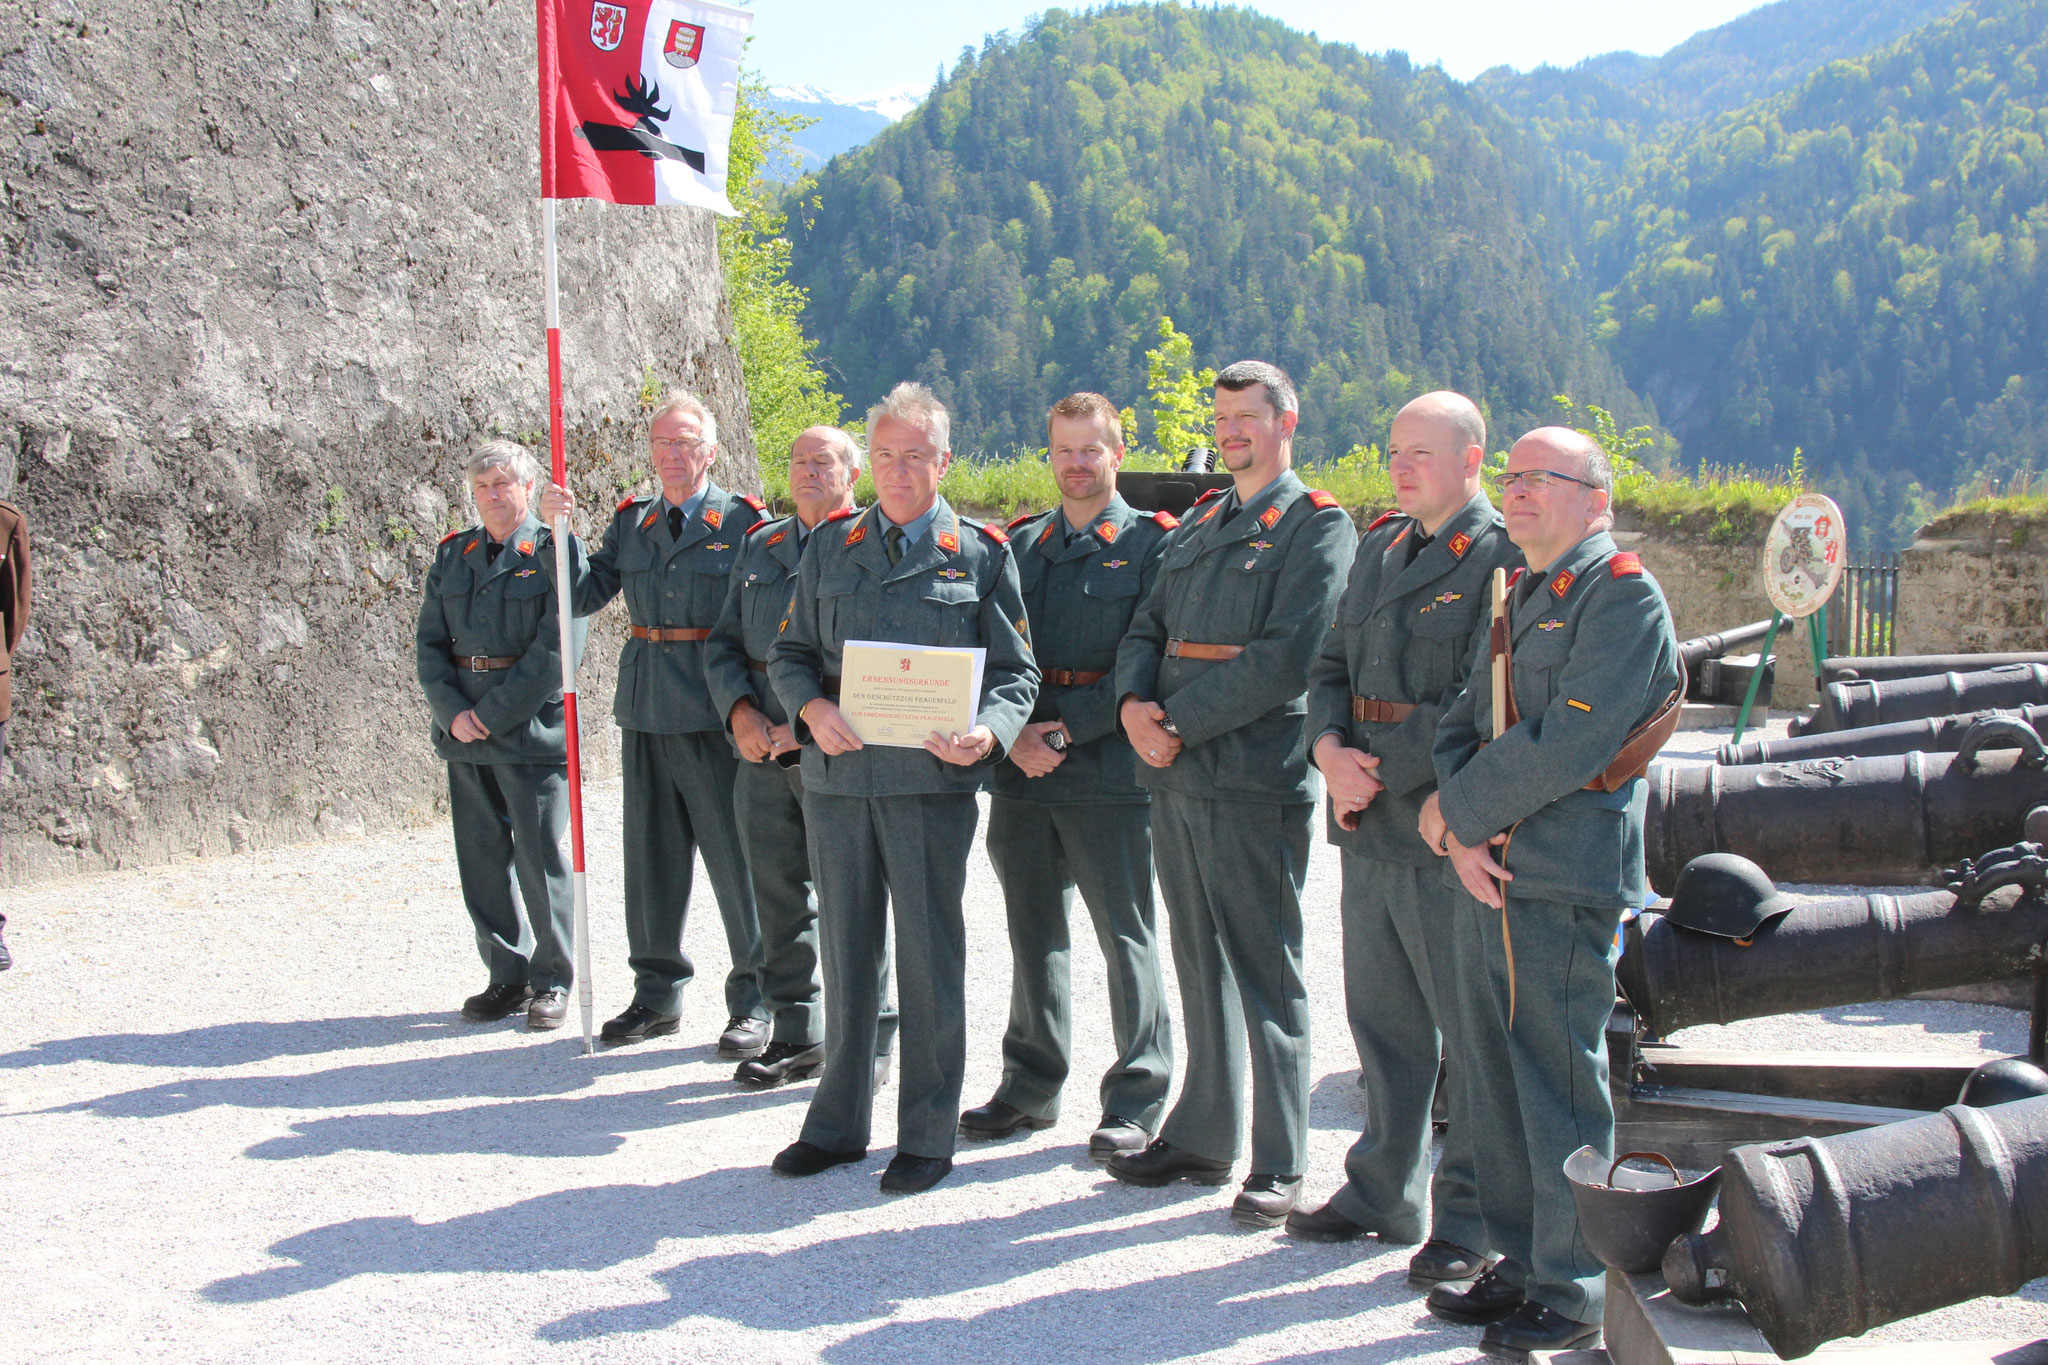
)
(1154, 753)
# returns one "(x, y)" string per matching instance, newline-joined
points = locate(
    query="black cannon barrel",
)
(1174, 492)
(1829, 1237)
(1937, 734)
(1892, 667)
(1701, 648)
(1851, 705)
(1884, 821)
(1834, 952)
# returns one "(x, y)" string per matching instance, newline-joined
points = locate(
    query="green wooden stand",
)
(1817, 642)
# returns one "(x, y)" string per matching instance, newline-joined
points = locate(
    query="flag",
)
(637, 100)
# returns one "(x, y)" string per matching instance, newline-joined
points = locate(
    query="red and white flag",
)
(637, 99)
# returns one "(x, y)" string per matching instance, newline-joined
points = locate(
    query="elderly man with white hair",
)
(489, 656)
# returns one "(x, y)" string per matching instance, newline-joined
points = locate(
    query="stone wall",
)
(1974, 585)
(269, 270)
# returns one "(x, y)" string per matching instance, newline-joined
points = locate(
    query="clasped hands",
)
(1141, 726)
(1476, 867)
(835, 736)
(1352, 777)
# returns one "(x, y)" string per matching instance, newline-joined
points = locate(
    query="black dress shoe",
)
(1324, 1225)
(1487, 1299)
(6, 958)
(1439, 1261)
(1266, 1200)
(998, 1120)
(507, 997)
(1114, 1136)
(547, 1009)
(1532, 1327)
(908, 1174)
(806, 1158)
(743, 1038)
(637, 1022)
(1162, 1162)
(781, 1062)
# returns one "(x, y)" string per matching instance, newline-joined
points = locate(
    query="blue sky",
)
(855, 50)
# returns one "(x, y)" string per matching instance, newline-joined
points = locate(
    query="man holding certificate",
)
(905, 667)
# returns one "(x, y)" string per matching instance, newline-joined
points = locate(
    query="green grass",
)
(2010, 516)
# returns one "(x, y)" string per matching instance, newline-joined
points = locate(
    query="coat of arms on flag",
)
(685, 43)
(607, 25)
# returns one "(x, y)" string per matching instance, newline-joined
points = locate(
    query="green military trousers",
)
(1537, 1091)
(1401, 997)
(874, 857)
(678, 802)
(1042, 852)
(509, 819)
(1232, 873)
(769, 800)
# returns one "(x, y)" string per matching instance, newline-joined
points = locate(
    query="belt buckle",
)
(479, 663)
(1173, 648)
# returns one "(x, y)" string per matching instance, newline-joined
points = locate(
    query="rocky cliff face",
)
(268, 270)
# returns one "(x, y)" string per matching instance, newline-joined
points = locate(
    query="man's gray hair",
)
(676, 401)
(917, 405)
(1247, 373)
(842, 444)
(499, 453)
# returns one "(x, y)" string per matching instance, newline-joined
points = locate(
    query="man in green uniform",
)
(1212, 679)
(1542, 823)
(891, 826)
(824, 465)
(1394, 661)
(1074, 815)
(672, 556)
(489, 654)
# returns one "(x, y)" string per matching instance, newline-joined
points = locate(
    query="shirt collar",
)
(914, 531)
(689, 504)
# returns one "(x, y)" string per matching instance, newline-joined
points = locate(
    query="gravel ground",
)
(245, 1122)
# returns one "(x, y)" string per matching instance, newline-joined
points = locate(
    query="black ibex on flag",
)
(642, 99)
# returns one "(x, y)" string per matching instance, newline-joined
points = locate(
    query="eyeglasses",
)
(690, 443)
(1536, 480)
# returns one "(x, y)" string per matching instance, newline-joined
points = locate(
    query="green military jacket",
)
(679, 583)
(1265, 576)
(756, 601)
(1404, 634)
(956, 586)
(503, 609)
(1594, 656)
(1080, 595)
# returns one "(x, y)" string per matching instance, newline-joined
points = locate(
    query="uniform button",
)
(671, 592)
(1377, 660)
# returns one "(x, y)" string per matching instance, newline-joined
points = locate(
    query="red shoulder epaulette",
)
(842, 513)
(1166, 519)
(450, 536)
(1322, 499)
(1624, 564)
(1383, 518)
(624, 503)
(995, 533)
(1210, 494)
(1019, 520)
(750, 500)
(1519, 570)
(758, 524)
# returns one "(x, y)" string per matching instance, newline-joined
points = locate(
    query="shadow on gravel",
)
(1169, 1317)
(237, 1044)
(1337, 1102)
(853, 1279)
(590, 1126)
(555, 1067)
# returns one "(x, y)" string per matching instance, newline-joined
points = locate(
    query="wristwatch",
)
(1166, 724)
(1056, 740)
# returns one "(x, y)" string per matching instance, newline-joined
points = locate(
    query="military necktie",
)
(491, 548)
(675, 523)
(892, 541)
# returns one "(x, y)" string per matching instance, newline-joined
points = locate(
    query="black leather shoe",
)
(496, 1002)
(805, 1158)
(743, 1038)
(6, 958)
(1487, 1299)
(998, 1120)
(1439, 1261)
(635, 1023)
(547, 1009)
(1114, 1137)
(907, 1174)
(781, 1062)
(1162, 1162)
(1324, 1225)
(1266, 1200)
(1532, 1327)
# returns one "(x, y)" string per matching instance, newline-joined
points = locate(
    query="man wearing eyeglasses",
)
(671, 555)
(1395, 660)
(1541, 819)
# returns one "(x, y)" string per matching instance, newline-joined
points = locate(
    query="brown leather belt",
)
(670, 634)
(1367, 708)
(484, 663)
(1070, 677)
(830, 681)
(757, 666)
(1188, 649)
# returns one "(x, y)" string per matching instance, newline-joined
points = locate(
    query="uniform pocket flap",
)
(961, 594)
(524, 583)
(1111, 585)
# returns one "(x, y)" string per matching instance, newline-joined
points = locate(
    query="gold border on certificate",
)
(897, 694)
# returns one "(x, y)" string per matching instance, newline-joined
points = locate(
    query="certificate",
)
(898, 694)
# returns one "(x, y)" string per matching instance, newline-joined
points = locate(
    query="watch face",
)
(1166, 724)
(1056, 740)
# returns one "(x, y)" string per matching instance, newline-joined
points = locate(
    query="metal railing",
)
(1864, 609)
